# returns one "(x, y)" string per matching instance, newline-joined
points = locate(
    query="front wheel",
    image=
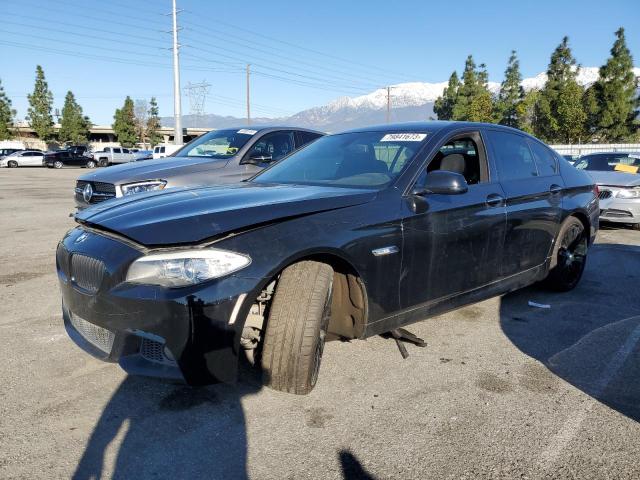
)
(12, 164)
(57, 164)
(297, 327)
(91, 164)
(570, 253)
(103, 162)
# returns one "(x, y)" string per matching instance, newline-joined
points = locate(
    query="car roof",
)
(264, 128)
(430, 126)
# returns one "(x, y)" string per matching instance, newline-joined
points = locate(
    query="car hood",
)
(161, 168)
(191, 215)
(615, 179)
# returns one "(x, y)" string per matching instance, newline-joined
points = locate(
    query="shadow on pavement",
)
(170, 431)
(590, 337)
(351, 467)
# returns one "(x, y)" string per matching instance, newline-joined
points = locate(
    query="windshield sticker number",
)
(247, 131)
(403, 137)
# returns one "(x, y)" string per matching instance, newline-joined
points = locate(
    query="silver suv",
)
(220, 156)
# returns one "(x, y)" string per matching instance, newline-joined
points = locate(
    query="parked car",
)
(161, 151)
(113, 155)
(67, 158)
(8, 151)
(23, 158)
(221, 156)
(617, 175)
(143, 155)
(355, 235)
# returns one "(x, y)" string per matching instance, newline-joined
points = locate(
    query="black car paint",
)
(451, 252)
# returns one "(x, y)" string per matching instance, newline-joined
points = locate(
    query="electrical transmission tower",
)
(197, 93)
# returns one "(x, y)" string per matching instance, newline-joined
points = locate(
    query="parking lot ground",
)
(503, 389)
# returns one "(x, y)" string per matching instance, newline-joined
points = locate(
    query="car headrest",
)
(454, 162)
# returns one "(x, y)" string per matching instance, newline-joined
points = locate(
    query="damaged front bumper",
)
(188, 333)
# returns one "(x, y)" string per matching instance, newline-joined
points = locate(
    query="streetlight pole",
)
(177, 104)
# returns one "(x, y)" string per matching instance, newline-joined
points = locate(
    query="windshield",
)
(621, 162)
(360, 159)
(217, 144)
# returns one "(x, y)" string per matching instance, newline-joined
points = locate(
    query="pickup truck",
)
(110, 155)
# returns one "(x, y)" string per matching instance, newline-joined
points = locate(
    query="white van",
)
(160, 151)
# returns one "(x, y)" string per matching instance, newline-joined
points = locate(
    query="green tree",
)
(481, 104)
(559, 114)
(591, 110)
(74, 126)
(526, 111)
(6, 115)
(153, 123)
(511, 95)
(40, 102)
(473, 101)
(124, 125)
(443, 106)
(615, 93)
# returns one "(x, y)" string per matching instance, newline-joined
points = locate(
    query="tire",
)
(103, 162)
(12, 164)
(297, 327)
(570, 251)
(635, 226)
(91, 164)
(57, 164)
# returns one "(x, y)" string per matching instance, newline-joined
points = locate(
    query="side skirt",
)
(452, 302)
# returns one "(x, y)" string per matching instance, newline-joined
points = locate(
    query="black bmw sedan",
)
(357, 234)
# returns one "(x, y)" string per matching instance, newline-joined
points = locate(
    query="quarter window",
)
(545, 160)
(513, 156)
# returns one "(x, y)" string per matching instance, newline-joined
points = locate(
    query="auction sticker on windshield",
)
(403, 137)
(247, 131)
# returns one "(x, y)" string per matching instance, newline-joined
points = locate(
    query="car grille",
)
(97, 336)
(101, 191)
(604, 194)
(62, 259)
(87, 272)
(154, 352)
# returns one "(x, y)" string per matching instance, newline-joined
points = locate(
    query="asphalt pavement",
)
(503, 389)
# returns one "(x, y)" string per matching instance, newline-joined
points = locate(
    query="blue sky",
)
(304, 53)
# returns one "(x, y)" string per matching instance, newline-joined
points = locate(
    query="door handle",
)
(495, 200)
(555, 188)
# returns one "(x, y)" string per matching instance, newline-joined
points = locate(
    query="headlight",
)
(188, 267)
(139, 187)
(629, 193)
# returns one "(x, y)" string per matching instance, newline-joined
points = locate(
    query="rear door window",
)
(544, 158)
(514, 160)
(302, 138)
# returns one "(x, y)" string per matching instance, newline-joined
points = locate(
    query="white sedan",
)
(23, 158)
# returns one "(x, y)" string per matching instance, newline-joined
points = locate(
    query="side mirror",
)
(442, 182)
(259, 158)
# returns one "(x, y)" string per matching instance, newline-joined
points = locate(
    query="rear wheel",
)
(570, 253)
(297, 327)
(91, 164)
(12, 164)
(635, 226)
(57, 164)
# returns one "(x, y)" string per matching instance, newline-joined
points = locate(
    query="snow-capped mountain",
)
(410, 101)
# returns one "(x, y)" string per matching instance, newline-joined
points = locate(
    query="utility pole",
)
(248, 95)
(177, 104)
(388, 104)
